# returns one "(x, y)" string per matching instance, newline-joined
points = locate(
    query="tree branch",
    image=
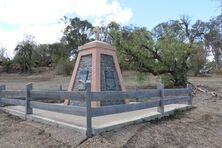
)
(146, 68)
(155, 54)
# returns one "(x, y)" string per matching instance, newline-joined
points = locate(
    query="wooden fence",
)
(29, 98)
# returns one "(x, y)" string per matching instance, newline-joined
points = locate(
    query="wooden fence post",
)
(160, 108)
(190, 102)
(60, 87)
(28, 109)
(88, 110)
(2, 87)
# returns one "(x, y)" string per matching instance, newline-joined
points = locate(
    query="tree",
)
(213, 39)
(165, 51)
(59, 51)
(41, 55)
(24, 52)
(198, 61)
(179, 43)
(2, 54)
(220, 5)
(76, 34)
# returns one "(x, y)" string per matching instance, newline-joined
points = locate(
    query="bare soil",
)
(199, 127)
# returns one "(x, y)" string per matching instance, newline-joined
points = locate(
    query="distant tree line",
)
(170, 50)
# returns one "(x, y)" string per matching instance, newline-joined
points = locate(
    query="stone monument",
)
(97, 62)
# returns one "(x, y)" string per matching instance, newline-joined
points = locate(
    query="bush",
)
(140, 78)
(167, 80)
(64, 67)
(7, 65)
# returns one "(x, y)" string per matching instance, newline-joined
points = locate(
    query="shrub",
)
(7, 65)
(167, 80)
(140, 78)
(64, 67)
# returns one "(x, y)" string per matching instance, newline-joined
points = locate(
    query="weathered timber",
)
(88, 110)
(14, 93)
(113, 109)
(177, 99)
(206, 91)
(28, 109)
(176, 92)
(2, 88)
(41, 95)
(13, 101)
(190, 102)
(160, 108)
(74, 110)
(121, 95)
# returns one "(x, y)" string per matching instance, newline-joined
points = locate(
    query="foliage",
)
(76, 33)
(24, 52)
(2, 54)
(140, 77)
(198, 59)
(41, 55)
(58, 51)
(220, 5)
(7, 65)
(167, 50)
(213, 39)
(64, 67)
(139, 50)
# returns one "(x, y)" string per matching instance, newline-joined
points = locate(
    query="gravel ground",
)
(17, 133)
(199, 127)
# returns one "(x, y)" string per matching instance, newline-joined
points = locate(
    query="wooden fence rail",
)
(153, 98)
(13, 93)
(38, 95)
(75, 110)
(12, 101)
(122, 95)
(113, 109)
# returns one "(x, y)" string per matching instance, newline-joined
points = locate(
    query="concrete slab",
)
(99, 124)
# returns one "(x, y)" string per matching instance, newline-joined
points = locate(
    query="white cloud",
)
(47, 33)
(102, 10)
(40, 17)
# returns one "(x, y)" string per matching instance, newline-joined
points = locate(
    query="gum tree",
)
(165, 51)
(76, 33)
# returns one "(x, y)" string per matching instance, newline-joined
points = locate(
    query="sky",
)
(41, 18)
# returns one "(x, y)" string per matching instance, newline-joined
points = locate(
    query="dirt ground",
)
(199, 127)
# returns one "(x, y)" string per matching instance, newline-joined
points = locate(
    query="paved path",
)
(101, 123)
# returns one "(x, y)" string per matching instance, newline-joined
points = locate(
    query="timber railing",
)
(30, 99)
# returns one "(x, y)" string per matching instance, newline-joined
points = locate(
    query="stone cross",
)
(97, 32)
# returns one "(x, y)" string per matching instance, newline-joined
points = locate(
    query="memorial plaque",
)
(83, 76)
(110, 80)
(84, 73)
(109, 77)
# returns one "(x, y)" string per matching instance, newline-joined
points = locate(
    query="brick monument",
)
(97, 62)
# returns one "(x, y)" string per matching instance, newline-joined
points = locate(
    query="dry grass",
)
(45, 81)
(50, 81)
(212, 81)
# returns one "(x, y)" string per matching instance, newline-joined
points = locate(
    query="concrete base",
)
(100, 124)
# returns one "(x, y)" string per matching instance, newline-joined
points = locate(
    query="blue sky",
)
(149, 13)
(40, 17)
